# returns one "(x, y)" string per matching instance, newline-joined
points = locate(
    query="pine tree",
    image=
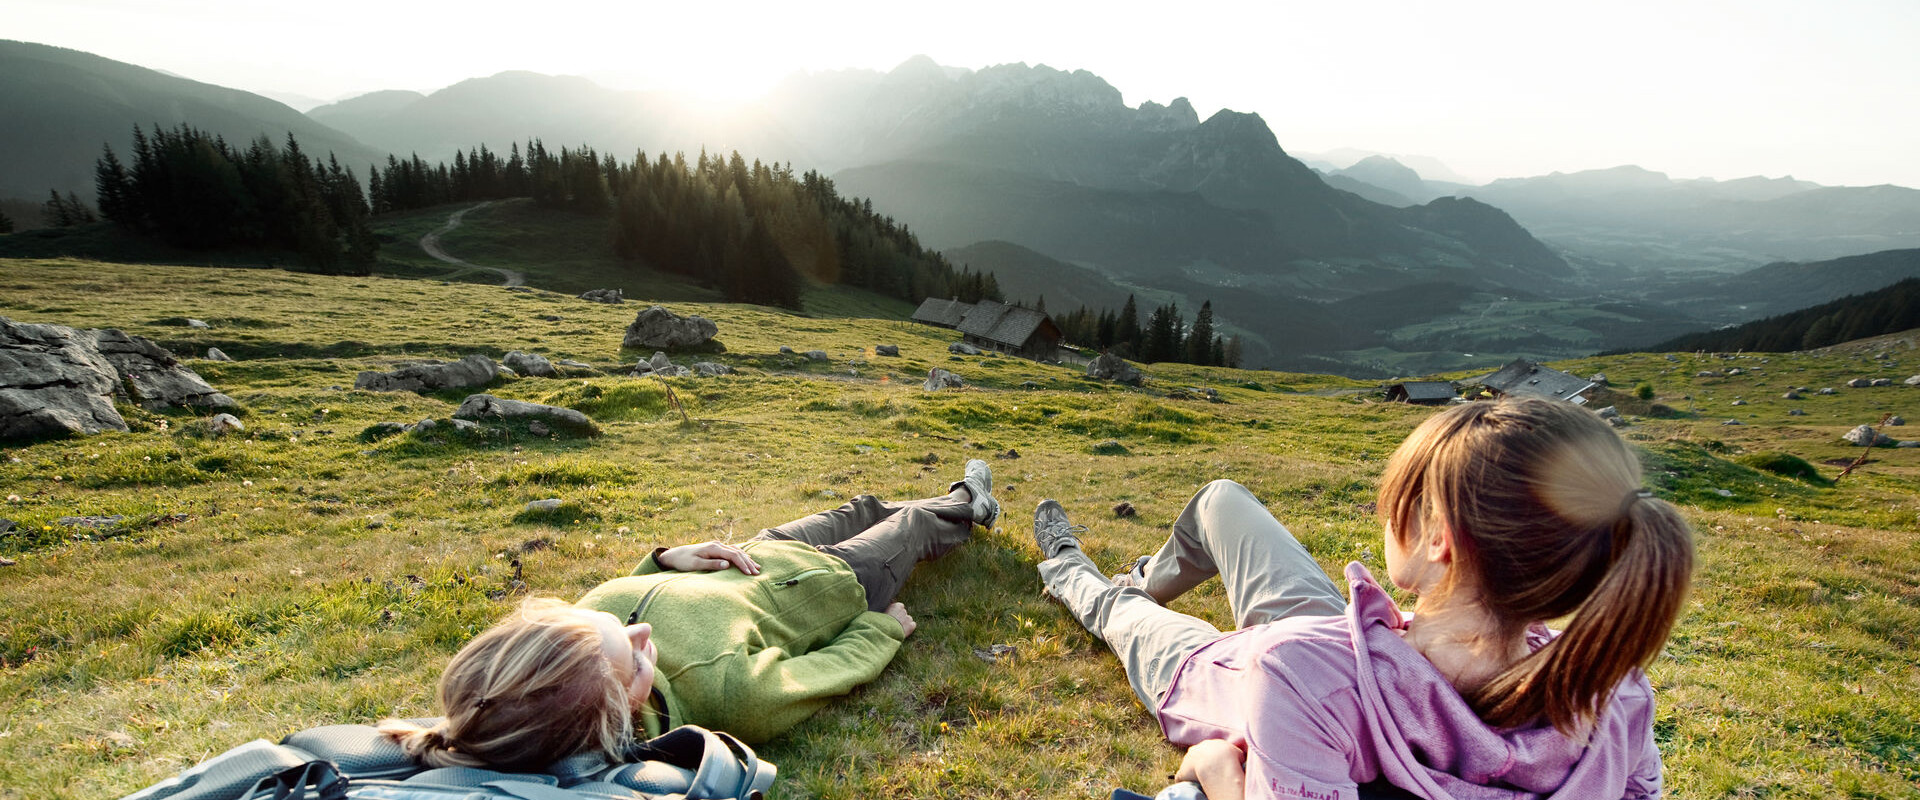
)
(6, 223)
(1200, 339)
(113, 188)
(1126, 329)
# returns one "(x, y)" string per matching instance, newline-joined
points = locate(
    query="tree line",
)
(755, 231)
(1890, 310)
(194, 190)
(1165, 337)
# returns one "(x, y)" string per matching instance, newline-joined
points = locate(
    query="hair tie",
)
(1635, 496)
(481, 703)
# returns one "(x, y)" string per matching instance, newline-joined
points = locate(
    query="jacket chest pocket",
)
(805, 589)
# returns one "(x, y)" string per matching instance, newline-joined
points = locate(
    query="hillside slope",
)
(63, 105)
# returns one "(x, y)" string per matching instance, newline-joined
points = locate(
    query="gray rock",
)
(1723, 492)
(964, 349)
(1672, 357)
(1733, 422)
(1866, 436)
(530, 364)
(815, 355)
(376, 521)
(1913, 381)
(1706, 373)
(503, 372)
(711, 369)
(93, 523)
(223, 424)
(1609, 412)
(1109, 367)
(1790, 395)
(1908, 444)
(609, 296)
(1880, 382)
(54, 382)
(486, 406)
(215, 354)
(465, 426)
(659, 366)
(1828, 390)
(474, 370)
(1030, 385)
(424, 426)
(1896, 420)
(659, 329)
(1739, 402)
(549, 504)
(539, 428)
(787, 351)
(1599, 378)
(1859, 383)
(6, 525)
(152, 377)
(1733, 371)
(892, 350)
(938, 379)
(1797, 413)
(572, 364)
(194, 323)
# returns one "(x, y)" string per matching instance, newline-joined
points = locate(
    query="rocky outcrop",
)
(432, 376)
(659, 329)
(58, 381)
(486, 406)
(1109, 367)
(530, 364)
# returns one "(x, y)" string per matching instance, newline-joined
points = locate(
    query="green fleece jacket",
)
(753, 655)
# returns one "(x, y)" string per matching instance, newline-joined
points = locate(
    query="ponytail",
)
(427, 746)
(1548, 519)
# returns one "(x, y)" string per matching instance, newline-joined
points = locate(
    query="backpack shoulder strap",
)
(360, 751)
(228, 775)
(721, 766)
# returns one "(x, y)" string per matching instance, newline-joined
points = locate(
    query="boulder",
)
(1859, 383)
(659, 329)
(54, 382)
(531, 364)
(938, 379)
(815, 355)
(1733, 371)
(214, 354)
(659, 366)
(474, 370)
(1790, 395)
(711, 369)
(892, 350)
(1896, 420)
(964, 349)
(194, 323)
(1109, 367)
(1797, 413)
(1908, 443)
(1739, 402)
(1866, 436)
(787, 351)
(609, 296)
(1733, 422)
(1880, 382)
(152, 377)
(1828, 390)
(1913, 381)
(1610, 412)
(1706, 373)
(549, 504)
(486, 406)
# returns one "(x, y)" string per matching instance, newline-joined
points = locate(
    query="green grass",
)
(297, 575)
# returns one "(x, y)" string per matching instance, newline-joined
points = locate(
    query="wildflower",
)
(246, 483)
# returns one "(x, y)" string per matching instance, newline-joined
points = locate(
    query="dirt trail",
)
(431, 244)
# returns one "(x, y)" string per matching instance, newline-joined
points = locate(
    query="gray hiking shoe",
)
(979, 483)
(1052, 531)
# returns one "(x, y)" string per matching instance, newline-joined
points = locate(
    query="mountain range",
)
(1049, 176)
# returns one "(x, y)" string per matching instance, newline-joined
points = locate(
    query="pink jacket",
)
(1324, 703)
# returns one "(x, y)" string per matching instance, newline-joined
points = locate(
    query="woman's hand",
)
(707, 557)
(899, 611)
(1219, 767)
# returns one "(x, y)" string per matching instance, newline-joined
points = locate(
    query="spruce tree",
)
(6, 223)
(1200, 339)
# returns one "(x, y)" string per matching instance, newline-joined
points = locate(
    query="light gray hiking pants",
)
(1223, 531)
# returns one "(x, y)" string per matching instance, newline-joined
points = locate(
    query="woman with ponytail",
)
(1499, 517)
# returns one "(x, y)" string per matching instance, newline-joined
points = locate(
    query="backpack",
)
(357, 762)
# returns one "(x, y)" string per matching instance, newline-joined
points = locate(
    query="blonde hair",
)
(531, 690)
(1548, 519)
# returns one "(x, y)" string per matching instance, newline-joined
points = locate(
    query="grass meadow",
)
(301, 573)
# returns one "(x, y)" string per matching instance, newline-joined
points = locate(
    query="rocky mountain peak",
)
(1045, 89)
(1178, 116)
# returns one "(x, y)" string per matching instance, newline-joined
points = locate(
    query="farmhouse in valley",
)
(991, 325)
(1523, 378)
(1421, 393)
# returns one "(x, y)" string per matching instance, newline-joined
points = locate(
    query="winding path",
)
(431, 244)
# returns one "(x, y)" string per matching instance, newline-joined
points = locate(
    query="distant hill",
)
(1027, 276)
(1641, 219)
(1891, 309)
(63, 105)
(1787, 286)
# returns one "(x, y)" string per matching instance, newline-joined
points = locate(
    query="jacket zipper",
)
(796, 579)
(647, 599)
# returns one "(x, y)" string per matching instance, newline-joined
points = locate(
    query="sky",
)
(1823, 91)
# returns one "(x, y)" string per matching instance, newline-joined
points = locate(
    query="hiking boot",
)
(1052, 531)
(979, 482)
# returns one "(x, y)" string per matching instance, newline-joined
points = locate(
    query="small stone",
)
(424, 426)
(1723, 492)
(214, 354)
(549, 504)
(1913, 381)
(964, 349)
(1881, 382)
(1859, 383)
(816, 355)
(1908, 444)
(7, 562)
(1706, 373)
(1110, 447)
(6, 524)
(194, 323)
(786, 351)
(1010, 453)
(223, 424)
(1733, 422)
(1124, 509)
(938, 379)
(1739, 402)
(996, 654)
(892, 350)
(1790, 395)
(930, 458)
(1896, 420)
(1797, 413)
(1599, 377)
(1829, 390)
(376, 521)
(539, 428)
(1733, 371)
(1866, 436)
(94, 523)
(1610, 412)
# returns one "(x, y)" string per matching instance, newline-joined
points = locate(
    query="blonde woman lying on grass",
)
(749, 639)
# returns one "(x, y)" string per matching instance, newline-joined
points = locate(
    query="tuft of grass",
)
(1786, 465)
